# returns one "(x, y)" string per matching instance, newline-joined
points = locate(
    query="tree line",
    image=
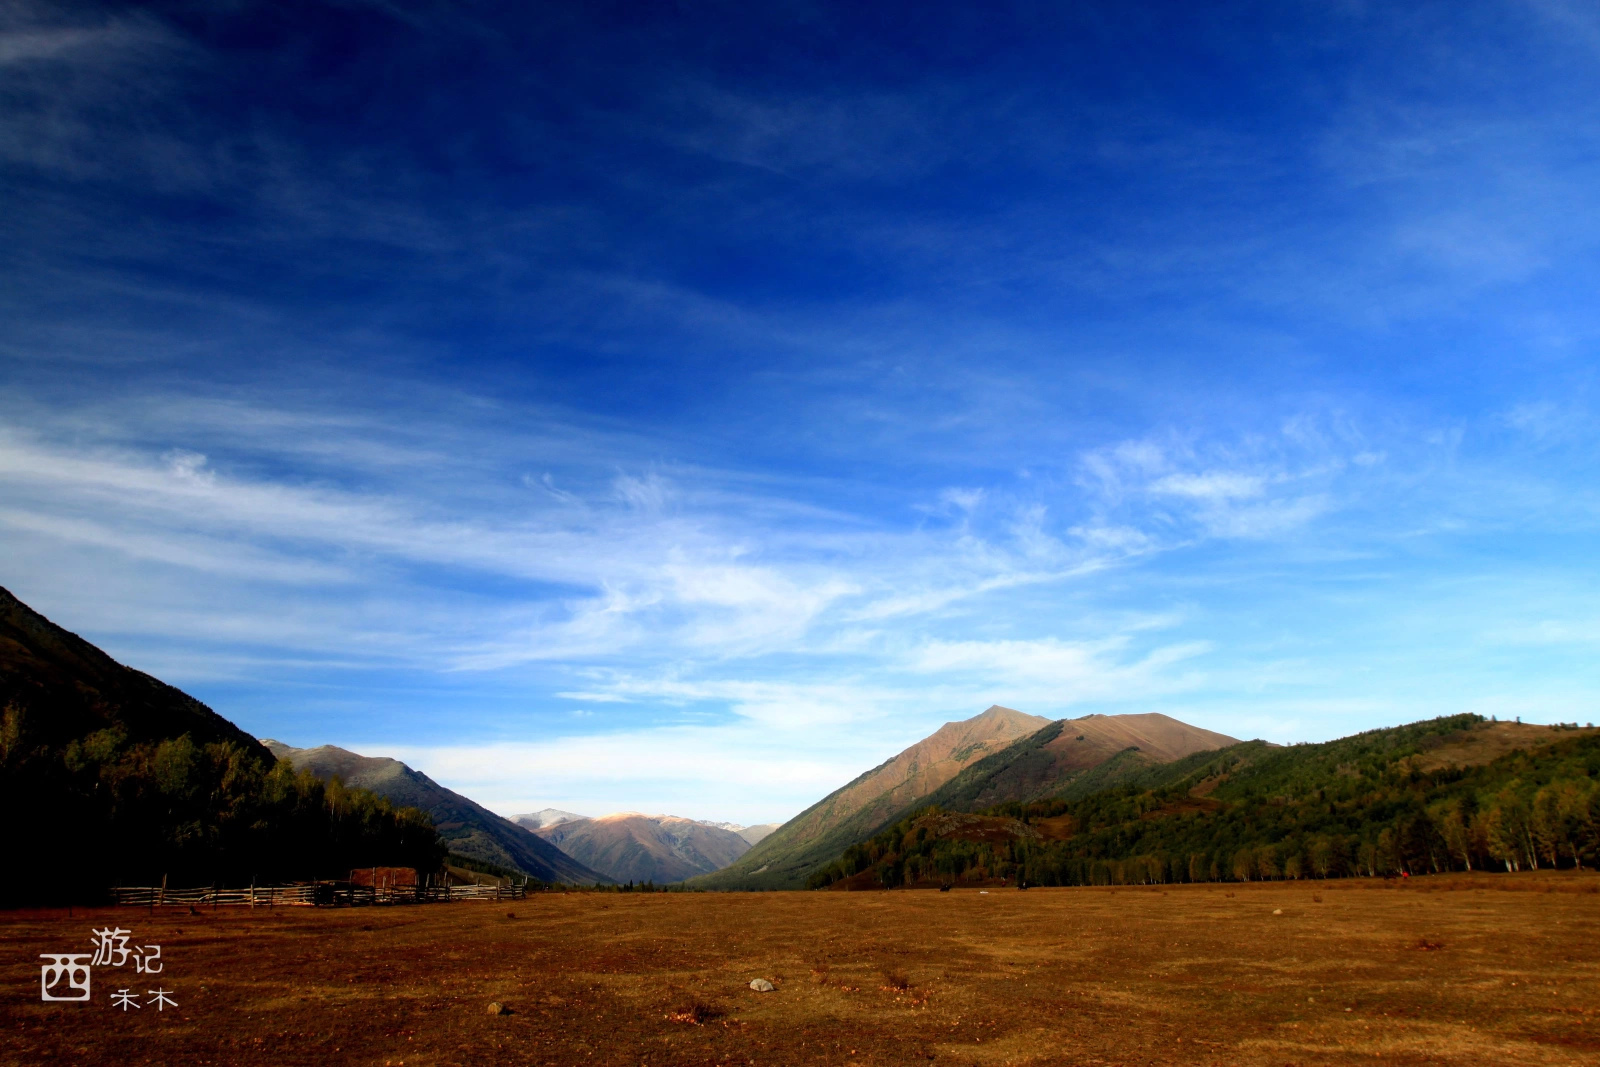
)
(102, 810)
(1358, 807)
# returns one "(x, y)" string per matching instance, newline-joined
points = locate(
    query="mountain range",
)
(59, 689)
(632, 847)
(550, 845)
(465, 826)
(999, 755)
(112, 774)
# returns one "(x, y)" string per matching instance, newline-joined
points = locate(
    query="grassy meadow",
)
(1451, 969)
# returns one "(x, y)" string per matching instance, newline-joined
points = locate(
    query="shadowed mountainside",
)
(631, 847)
(67, 688)
(468, 828)
(856, 810)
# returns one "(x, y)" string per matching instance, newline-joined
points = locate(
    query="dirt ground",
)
(1458, 969)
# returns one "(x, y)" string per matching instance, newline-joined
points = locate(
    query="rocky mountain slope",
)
(468, 828)
(859, 808)
(631, 847)
(1074, 756)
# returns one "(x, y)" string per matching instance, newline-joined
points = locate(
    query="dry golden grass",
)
(1453, 970)
(1489, 741)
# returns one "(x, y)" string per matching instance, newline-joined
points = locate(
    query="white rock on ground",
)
(761, 985)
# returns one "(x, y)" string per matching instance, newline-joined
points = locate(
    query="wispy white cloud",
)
(644, 559)
(1254, 487)
(652, 562)
(1072, 671)
(1211, 485)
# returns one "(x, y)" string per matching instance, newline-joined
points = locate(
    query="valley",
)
(466, 827)
(630, 846)
(1001, 798)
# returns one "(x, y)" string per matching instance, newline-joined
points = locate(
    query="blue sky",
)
(635, 407)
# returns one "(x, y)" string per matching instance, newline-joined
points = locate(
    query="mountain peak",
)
(1001, 713)
(858, 808)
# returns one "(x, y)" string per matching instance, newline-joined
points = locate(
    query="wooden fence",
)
(309, 894)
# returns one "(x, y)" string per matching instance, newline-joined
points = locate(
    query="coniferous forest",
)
(1382, 803)
(102, 811)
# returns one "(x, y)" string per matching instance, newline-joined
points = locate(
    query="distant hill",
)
(756, 834)
(465, 826)
(630, 847)
(751, 834)
(1446, 794)
(783, 858)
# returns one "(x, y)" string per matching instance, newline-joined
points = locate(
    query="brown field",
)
(1457, 970)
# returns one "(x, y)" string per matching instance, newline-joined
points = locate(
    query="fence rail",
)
(310, 894)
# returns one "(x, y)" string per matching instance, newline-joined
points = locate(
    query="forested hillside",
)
(110, 776)
(108, 812)
(1455, 793)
